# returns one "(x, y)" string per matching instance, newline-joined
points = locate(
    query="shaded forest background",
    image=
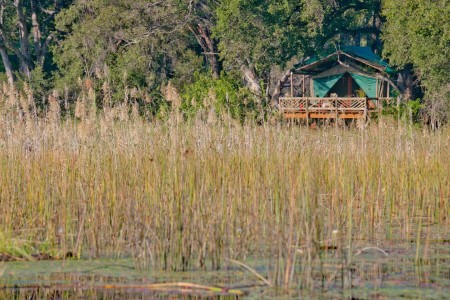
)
(232, 55)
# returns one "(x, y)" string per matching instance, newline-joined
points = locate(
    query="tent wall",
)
(324, 84)
(367, 84)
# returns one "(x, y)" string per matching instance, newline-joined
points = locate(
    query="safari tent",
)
(349, 83)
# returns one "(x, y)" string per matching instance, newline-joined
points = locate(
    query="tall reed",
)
(181, 195)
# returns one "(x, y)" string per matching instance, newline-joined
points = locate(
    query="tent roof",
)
(340, 69)
(361, 54)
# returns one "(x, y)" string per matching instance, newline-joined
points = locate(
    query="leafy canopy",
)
(260, 32)
(418, 32)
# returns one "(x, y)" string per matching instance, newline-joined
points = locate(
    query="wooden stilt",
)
(307, 112)
(336, 112)
(389, 90)
(365, 111)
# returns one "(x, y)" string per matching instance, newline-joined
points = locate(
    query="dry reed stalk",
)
(180, 195)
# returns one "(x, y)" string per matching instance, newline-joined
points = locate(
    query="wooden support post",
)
(307, 112)
(303, 86)
(292, 84)
(389, 90)
(365, 110)
(336, 112)
(377, 93)
(398, 112)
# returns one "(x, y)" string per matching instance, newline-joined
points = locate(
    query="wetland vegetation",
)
(305, 210)
(143, 152)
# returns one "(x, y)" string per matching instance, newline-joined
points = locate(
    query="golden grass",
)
(181, 195)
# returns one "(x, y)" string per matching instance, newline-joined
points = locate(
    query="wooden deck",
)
(325, 108)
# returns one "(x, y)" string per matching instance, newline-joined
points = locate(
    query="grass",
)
(188, 195)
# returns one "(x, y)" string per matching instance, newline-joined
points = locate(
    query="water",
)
(378, 270)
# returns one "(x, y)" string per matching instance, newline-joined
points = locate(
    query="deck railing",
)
(331, 107)
(303, 104)
(325, 107)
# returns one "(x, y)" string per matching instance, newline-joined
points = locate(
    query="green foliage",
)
(142, 45)
(342, 22)
(225, 95)
(410, 111)
(183, 67)
(259, 32)
(39, 83)
(123, 43)
(26, 32)
(23, 249)
(417, 32)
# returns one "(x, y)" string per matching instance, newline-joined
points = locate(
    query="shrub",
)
(410, 111)
(225, 95)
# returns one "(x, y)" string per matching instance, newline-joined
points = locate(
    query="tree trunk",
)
(7, 65)
(25, 58)
(209, 46)
(36, 30)
(3, 52)
(407, 84)
(251, 80)
(277, 92)
(212, 56)
(215, 66)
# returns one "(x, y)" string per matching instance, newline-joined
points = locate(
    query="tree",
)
(127, 43)
(202, 20)
(417, 32)
(332, 23)
(26, 31)
(257, 34)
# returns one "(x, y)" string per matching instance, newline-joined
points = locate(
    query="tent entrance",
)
(351, 83)
(354, 85)
(347, 87)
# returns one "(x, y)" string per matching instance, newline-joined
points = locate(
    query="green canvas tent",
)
(358, 68)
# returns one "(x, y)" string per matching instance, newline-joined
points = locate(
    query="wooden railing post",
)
(307, 112)
(336, 111)
(365, 109)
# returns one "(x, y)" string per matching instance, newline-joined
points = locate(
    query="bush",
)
(410, 110)
(225, 95)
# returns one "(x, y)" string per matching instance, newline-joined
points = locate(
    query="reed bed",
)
(182, 195)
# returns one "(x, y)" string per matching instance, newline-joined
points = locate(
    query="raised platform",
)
(326, 108)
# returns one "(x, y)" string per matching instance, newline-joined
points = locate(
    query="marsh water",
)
(378, 270)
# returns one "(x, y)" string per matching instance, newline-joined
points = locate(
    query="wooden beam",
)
(382, 69)
(351, 116)
(316, 63)
(303, 86)
(336, 110)
(329, 57)
(307, 112)
(349, 85)
(322, 115)
(389, 90)
(376, 89)
(389, 81)
(292, 84)
(365, 112)
(295, 116)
